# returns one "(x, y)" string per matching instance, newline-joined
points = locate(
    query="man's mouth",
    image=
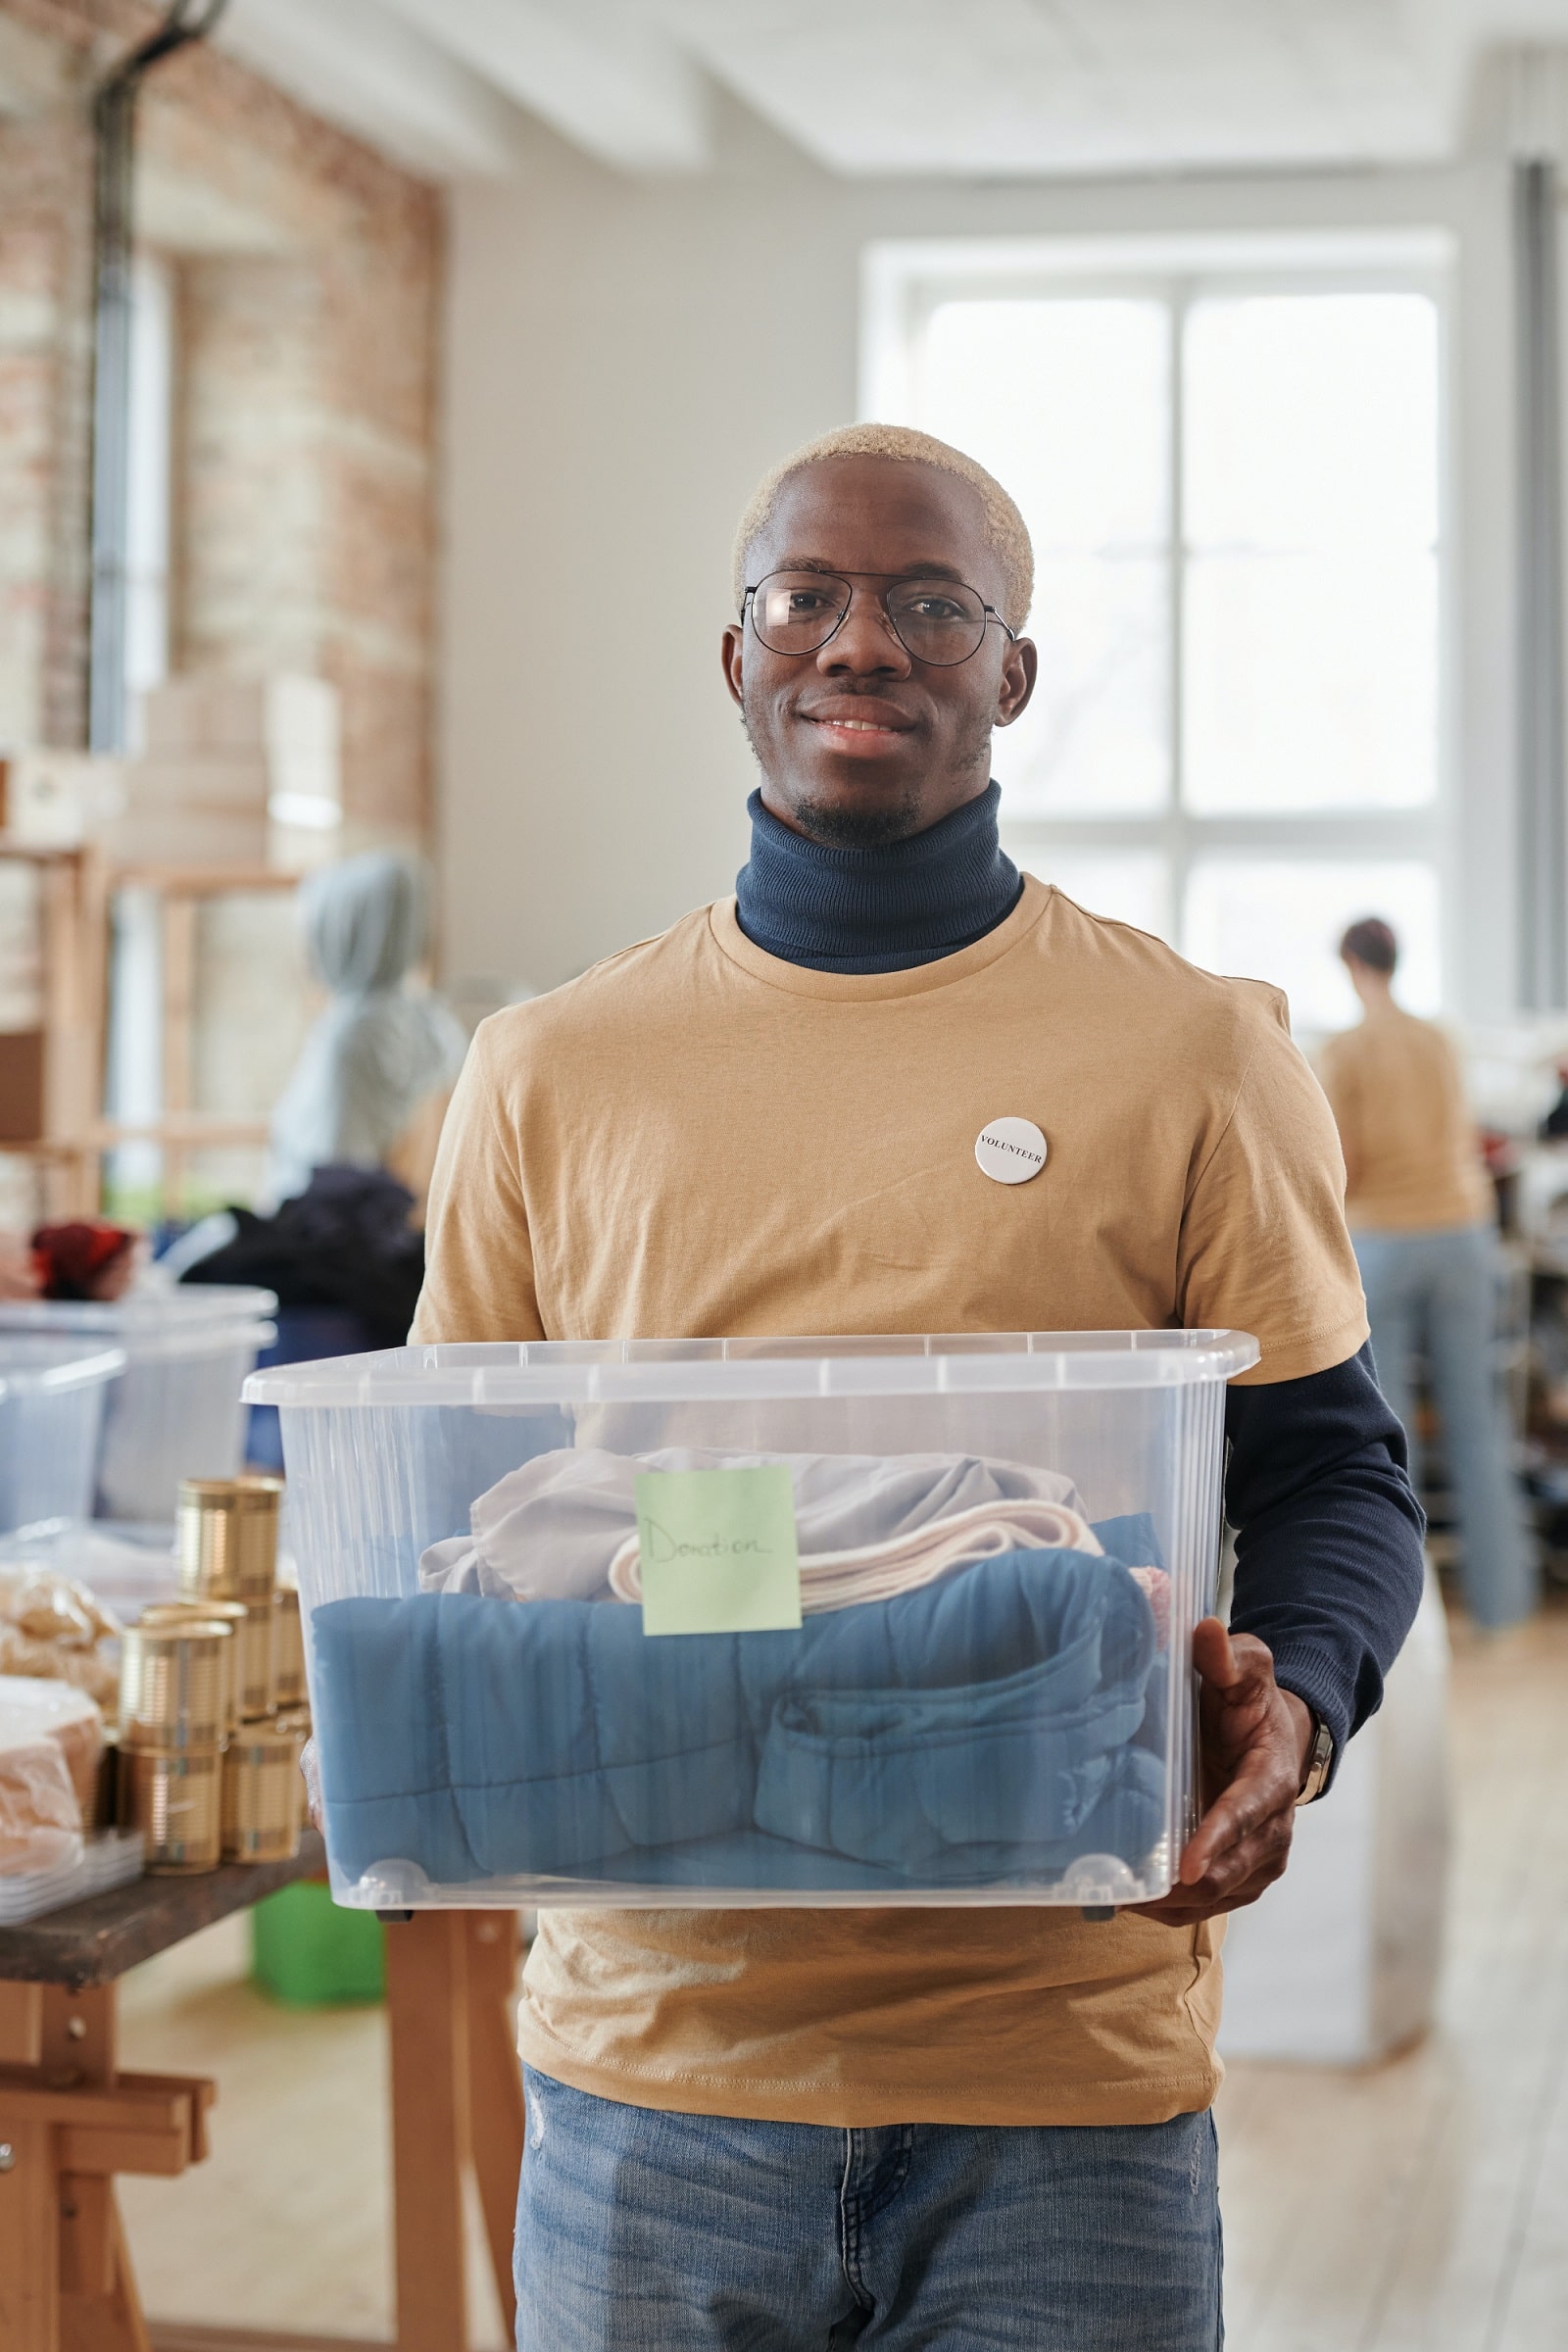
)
(850, 733)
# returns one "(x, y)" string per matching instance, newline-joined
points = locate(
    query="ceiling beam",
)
(379, 78)
(598, 71)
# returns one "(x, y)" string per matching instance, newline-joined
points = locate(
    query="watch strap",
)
(1319, 1760)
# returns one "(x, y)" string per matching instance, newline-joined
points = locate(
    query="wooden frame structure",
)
(52, 1076)
(70, 2119)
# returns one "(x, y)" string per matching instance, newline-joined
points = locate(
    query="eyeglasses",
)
(940, 621)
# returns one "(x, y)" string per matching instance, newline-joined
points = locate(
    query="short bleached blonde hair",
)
(1006, 528)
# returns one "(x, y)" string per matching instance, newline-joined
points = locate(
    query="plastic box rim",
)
(40, 1366)
(541, 1372)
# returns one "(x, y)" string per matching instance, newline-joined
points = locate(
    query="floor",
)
(1422, 2205)
(1419, 2206)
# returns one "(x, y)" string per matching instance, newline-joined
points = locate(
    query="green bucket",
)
(309, 1953)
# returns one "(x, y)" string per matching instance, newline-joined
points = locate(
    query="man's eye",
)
(935, 608)
(806, 604)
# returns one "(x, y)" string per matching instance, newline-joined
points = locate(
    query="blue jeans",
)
(644, 2232)
(1436, 1293)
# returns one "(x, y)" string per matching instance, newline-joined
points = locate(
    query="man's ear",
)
(731, 654)
(1019, 669)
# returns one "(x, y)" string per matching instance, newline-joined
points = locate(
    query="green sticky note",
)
(718, 1553)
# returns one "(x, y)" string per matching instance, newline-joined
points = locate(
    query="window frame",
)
(905, 282)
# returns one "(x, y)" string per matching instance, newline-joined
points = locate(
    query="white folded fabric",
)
(840, 1580)
(552, 1528)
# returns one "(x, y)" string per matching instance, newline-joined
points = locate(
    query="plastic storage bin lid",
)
(48, 1366)
(152, 1308)
(649, 1371)
(151, 1327)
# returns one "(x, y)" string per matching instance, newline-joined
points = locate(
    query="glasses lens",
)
(797, 612)
(937, 620)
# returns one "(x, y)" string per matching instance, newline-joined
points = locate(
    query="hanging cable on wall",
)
(114, 120)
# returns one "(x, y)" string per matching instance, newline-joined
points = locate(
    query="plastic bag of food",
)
(51, 1741)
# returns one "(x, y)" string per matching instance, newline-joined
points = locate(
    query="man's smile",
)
(851, 725)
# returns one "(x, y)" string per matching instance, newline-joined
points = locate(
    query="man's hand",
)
(1254, 1740)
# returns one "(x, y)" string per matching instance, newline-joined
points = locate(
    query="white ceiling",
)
(974, 87)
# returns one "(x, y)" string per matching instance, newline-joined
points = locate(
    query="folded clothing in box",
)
(989, 1727)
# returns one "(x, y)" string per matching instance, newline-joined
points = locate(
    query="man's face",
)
(859, 742)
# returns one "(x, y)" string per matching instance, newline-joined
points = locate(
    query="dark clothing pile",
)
(345, 1242)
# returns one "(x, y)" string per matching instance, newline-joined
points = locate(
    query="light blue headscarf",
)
(377, 1051)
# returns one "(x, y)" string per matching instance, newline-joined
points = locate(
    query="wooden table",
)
(71, 2117)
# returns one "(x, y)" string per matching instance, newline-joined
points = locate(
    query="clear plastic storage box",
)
(178, 1411)
(757, 1621)
(52, 1394)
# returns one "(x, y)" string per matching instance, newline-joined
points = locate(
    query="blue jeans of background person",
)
(644, 2232)
(1436, 1294)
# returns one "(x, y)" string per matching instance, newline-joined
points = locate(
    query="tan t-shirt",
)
(695, 1140)
(1411, 1158)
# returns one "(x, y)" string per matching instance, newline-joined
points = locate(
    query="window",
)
(1230, 464)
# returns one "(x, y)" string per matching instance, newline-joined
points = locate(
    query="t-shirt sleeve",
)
(479, 1254)
(1263, 1245)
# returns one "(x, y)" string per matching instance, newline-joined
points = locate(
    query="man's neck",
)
(879, 909)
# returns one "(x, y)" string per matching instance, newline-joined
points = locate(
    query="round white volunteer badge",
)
(1010, 1150)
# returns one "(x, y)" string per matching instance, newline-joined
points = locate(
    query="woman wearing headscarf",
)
(354, 1134)
(372, 1082)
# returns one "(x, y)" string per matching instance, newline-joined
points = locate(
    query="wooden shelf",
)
(202, 881)
(76, 891)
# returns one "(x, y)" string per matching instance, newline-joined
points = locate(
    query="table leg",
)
(107, 2316)
(426, 1989)
(495, 2089)
(29, 2238)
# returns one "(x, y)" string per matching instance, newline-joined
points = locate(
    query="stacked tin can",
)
(218, 1777)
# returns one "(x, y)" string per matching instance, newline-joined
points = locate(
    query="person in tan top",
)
(1419, 1205)
(786, 2128)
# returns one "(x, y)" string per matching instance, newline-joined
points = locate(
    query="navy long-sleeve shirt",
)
(1329, 1531)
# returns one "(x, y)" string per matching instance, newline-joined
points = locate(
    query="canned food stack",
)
(211, 1769)
(175, 1693)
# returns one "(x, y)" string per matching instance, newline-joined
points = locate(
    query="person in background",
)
(371, 1086)
(1418, 1202)
(353, 1136)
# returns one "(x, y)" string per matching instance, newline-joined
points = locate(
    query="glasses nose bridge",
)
(878, 599)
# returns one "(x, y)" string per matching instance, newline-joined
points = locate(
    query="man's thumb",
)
(1214, 1653)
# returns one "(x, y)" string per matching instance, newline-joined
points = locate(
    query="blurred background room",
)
(381, 382)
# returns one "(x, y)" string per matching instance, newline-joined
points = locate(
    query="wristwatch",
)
(1319, 1759)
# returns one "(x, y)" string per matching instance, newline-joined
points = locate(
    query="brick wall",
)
(307, 274)
(308, 270)
(45, 277)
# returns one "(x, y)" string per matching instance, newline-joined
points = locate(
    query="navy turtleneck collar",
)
(876, 911)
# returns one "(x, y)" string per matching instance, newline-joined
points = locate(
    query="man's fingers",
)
(1186, 1906)
(1262, 1791)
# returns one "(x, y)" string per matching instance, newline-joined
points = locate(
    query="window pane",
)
(1067, 402)
(1129, 886)
(1311, 682)
(1095, 740)
(1282, 920)
(1312, 421)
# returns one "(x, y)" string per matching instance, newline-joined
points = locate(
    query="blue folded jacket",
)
(984, 1728)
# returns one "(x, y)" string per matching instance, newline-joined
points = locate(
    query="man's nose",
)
(864, 642)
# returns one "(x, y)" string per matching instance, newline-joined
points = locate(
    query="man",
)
(1420, 1205)
(778, 2128)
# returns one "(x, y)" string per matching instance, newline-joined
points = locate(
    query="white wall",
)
(625, 359)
